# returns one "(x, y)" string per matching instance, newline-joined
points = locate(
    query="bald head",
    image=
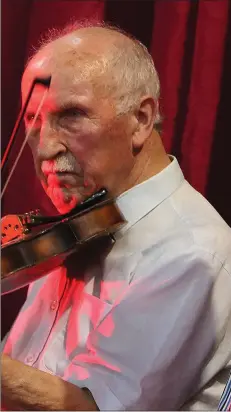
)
(118, 64)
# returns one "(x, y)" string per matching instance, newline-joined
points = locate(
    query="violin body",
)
(35, 255)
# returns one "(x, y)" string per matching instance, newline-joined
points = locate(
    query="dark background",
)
(191, 44)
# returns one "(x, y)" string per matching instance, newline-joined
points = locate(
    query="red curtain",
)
(191, 48)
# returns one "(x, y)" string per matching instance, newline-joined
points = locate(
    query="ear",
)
(145, 116)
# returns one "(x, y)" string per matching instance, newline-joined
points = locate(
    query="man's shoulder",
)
(184, 225)
(207, 228)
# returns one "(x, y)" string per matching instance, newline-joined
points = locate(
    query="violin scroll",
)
(16, 226)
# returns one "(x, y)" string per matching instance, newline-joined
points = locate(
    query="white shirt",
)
(149, 325)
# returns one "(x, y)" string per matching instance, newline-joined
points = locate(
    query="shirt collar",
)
(138, 201)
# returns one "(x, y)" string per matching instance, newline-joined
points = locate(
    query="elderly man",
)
(145, 323)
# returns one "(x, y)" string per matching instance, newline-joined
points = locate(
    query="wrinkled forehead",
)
(73, 69)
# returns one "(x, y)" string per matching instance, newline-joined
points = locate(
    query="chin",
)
(65, 207)
(63, 201)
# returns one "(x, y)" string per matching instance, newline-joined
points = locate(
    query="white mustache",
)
(61, 164)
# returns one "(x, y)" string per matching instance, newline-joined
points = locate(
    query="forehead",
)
(74, 72)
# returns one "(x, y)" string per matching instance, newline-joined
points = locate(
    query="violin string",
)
(24, 143)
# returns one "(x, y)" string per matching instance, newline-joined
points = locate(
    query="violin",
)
(27, 255)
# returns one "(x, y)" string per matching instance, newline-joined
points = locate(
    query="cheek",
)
(84, 143)
(33, 143)
(100, 149)
(110, 154)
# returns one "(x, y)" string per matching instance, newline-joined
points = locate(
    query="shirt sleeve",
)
(150, 349)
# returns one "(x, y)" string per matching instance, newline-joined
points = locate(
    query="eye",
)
(72, 112)
(29, 117)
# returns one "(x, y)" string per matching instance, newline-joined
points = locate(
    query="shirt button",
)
(53, 305)
(29, 359)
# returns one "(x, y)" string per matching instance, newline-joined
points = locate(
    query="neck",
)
(151, 160)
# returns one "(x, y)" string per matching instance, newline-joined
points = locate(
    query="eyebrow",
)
(69, 104)
(72, 102)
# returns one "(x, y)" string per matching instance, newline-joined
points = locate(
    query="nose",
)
(50, 145)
